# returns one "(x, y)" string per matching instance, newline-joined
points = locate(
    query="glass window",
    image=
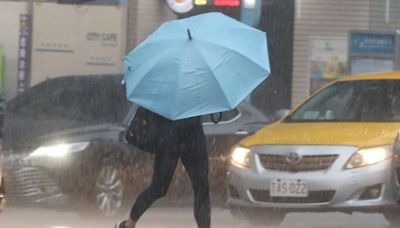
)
(366, 100)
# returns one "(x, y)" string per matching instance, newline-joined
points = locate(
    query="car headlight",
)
(241, 156)
(59, 150)
(370, 156)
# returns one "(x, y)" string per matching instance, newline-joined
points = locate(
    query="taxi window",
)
(366, 100)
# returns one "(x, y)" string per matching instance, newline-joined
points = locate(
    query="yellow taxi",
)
(338, 151)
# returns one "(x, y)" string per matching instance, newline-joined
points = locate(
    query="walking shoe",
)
(120, 225)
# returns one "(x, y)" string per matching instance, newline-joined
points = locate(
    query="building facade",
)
(321, 35)
(308, 40)
(47, 39)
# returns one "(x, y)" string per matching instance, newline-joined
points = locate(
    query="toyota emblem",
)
(293, 158)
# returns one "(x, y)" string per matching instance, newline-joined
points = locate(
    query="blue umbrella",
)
(198, 65)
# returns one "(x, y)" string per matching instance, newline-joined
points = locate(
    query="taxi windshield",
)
(352, 101)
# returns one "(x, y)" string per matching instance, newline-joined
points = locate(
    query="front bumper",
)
(28, 182)
(331, 189)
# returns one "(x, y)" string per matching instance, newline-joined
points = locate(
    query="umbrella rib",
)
(161, 55)
(176, 89)
(158, 54)
(218, 83)
(233, 50)
(256, 64)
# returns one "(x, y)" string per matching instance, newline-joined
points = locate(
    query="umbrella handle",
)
(218, 120)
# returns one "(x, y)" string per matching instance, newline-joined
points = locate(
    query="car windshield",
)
(85, 100)
(352, 101)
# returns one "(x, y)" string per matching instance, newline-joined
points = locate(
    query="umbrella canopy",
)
(198, 65)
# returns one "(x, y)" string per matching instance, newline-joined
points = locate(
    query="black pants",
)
(195, 160)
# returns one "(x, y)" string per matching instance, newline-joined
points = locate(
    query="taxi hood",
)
(318, 133)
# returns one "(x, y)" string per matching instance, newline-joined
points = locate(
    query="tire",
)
(392, 216)
(105, 196)
(2, 194)
(259, 216)
(109, 186)
(109, 191)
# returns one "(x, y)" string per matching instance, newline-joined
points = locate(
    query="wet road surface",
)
(180, 218)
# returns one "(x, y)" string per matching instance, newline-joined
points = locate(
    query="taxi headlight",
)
(241, 156)
(370, 156)
(59, 150)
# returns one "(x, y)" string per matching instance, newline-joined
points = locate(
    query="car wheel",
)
(108, 191)
(259, 216)
(393, 216)
(2, 193)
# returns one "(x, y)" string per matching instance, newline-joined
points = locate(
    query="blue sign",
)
(372, 43)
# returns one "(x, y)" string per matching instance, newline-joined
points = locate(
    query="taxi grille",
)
(306, 163)
(313, 197)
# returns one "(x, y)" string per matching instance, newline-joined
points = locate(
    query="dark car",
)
(64, 142)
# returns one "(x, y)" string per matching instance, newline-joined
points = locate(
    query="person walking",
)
(180, 139)
(207, 72)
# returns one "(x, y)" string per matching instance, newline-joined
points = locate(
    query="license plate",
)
(288, 188)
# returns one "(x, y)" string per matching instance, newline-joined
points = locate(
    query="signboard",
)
(200, 2)
(328, 58)
(77, 40)
(227, 2)
(368, 65)
(373, 43)
(184, 6)
(23, 53)
(371, 51)
(10, 15)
